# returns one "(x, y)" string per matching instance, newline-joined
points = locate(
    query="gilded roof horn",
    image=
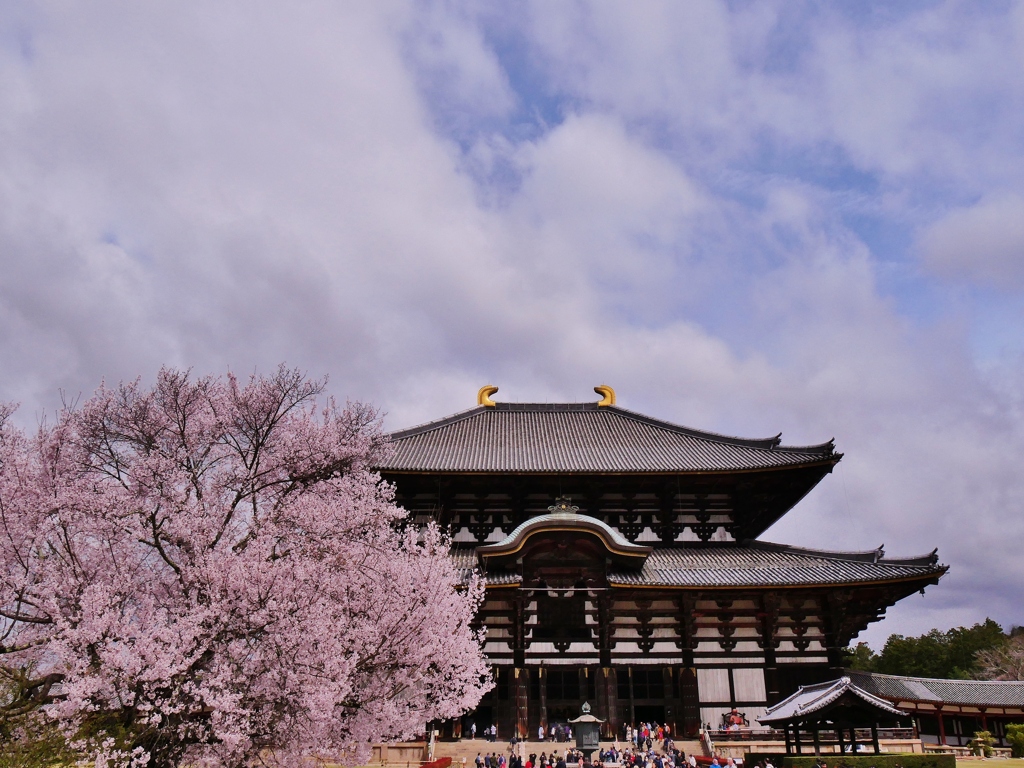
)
(607, 395)
(483, 397)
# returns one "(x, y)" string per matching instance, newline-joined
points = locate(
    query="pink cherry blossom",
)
(207, 572)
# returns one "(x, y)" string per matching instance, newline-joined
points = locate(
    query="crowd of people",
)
(573, 758)
(647, 745)
(490, 732)
(646, 735)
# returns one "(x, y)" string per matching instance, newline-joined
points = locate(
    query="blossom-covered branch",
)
(210, 569)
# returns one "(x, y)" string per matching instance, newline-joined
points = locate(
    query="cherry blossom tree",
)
(209, 572)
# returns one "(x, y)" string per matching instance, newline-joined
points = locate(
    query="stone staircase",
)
(469, 748)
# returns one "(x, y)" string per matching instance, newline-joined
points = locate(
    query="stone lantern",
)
(588, 732)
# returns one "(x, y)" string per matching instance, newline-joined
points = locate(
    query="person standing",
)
(540, 733)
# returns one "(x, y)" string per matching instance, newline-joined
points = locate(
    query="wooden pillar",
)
(604, 630)
(607, 701)
(789, 743)
(521, 697)
(942, 727)
(689, 694)
(836, 605)
(853, 740)
(542, 680)
(839, 736)
(668, 685)
(769, 620)
(874, 738)
(817, 740)
(796, 738)
(519, 631)
(632, 708)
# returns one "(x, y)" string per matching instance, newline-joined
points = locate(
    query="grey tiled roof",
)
(813, 699)
(760, 563)
(754, 564)
(968, 692)
(466, 563)
(515, 437)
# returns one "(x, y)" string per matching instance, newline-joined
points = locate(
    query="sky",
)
(747, 217)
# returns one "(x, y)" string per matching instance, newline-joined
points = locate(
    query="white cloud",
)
(983, 243)
(236, 186)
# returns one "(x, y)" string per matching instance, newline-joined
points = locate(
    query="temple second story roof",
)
(754, 565)
(542, 438)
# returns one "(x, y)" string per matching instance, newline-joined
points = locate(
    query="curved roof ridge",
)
(764, 443)
(812, 699)
(869, 555)
(550, 517)
(617, 545)
(773, 443)
(427, 426)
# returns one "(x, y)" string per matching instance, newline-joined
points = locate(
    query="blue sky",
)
(747, 217)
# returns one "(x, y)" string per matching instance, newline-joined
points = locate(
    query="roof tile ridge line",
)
(854, 556)
(429, 426)
(869, 697)
(941, 680)
(932, 558)
(762, 443)
(831, 694)
(546, 407)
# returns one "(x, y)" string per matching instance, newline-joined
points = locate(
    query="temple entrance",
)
(560, 714)
(649, 713)
(483, 716)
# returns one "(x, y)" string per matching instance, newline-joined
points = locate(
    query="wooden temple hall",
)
(623, 564)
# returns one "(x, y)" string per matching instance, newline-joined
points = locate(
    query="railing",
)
(706, 743)
(806, 736)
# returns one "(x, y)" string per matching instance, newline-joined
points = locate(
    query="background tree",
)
(953, 654)
(949, 654)
(211, 571)
(860, 657)
(1004, 662)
